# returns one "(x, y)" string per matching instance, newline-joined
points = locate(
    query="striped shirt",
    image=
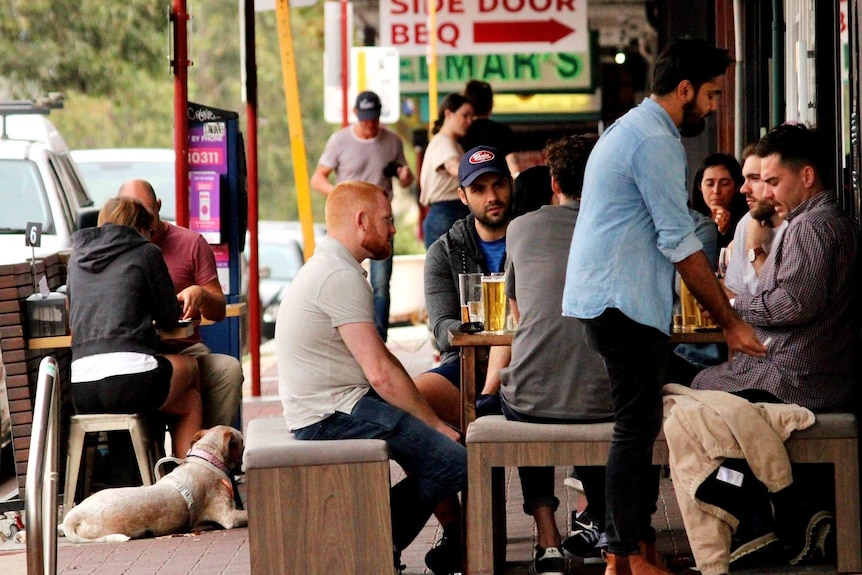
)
(806, 305)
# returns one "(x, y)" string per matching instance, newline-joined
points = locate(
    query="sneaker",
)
(575, 484)
(445, 557)
(548, 561)
(599, 552)
(583, 538)
(756, 551)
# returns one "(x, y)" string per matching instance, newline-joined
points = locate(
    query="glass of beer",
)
(470, 293)
(494, 294)
(692, 316)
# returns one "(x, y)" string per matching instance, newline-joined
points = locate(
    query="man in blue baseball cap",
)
(368, 152)
(473, 244)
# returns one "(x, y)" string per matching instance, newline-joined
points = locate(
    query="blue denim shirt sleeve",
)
(658, 166)
(707, 233)
(634, 223)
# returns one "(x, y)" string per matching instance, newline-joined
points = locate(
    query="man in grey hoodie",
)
(476, 243)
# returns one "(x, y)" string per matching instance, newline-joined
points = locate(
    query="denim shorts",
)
(451, 371)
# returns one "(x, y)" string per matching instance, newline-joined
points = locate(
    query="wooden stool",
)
(316, 506)
(146, 447)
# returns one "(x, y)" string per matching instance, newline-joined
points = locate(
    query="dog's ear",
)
(197, 436)
(228, 439)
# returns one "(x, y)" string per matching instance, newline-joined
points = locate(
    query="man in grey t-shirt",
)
(367, 152)
(537, 386)
(336, 380)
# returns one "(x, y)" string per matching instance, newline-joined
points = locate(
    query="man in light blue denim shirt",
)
(633, 229)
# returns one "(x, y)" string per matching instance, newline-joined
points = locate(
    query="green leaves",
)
(84, 45)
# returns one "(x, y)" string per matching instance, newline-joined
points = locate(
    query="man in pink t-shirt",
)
(192, 266)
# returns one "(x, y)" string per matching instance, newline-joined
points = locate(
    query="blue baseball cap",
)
(481, 160)
(368, 106)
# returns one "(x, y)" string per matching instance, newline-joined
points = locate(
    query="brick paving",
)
(226, 552)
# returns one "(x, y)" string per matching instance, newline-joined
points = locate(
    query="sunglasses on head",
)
(471, 327)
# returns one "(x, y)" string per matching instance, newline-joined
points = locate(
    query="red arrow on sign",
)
(520, 31)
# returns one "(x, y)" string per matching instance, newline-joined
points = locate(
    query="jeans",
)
(381, 273)
(440, 217)
(635, 356)
(537, 483)
(436, 466)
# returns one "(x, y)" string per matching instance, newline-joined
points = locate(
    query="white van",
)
(41, 184)
(105, 170)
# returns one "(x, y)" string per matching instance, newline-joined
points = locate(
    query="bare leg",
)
(184, 402)
(546, 527)
(448, 510)
(443, 397)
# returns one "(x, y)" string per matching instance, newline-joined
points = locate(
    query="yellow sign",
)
(505, 104)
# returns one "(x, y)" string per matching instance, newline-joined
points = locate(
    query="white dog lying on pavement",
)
(196, 492)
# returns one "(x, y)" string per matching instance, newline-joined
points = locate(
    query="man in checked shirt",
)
(804, 311)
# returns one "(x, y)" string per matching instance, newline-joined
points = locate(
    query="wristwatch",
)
(754, 252)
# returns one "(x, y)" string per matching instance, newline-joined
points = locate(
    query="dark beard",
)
(692, 124)
(763, 212)
(494, 224)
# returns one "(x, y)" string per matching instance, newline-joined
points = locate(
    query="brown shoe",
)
(631, 565)
(651, 554)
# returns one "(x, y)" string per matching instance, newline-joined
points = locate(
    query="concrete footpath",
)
(226, 552)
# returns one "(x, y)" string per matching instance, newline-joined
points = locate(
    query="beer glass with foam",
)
(494, 294)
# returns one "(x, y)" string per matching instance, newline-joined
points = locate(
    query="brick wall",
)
(22, 364)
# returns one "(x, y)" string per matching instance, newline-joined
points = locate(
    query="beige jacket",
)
(702, 428)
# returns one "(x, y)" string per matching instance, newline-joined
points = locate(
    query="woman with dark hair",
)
(532, 190)
(716, 195)
(438, 180)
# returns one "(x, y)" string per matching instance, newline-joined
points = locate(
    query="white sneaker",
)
(575, 484)
(548, 561)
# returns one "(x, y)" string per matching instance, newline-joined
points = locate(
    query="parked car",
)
(105, 170)
(40, 184)
(280, 256)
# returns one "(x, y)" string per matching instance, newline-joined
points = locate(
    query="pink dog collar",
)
(209, 458)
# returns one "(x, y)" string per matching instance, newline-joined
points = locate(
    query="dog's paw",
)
(238, 518)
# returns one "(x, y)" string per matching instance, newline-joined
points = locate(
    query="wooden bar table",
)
(182, 331)
(471, 345)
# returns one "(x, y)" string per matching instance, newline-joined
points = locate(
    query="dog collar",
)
(209, 458)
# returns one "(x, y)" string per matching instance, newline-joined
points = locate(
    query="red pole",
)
(180, 64)
(251, 164)
(345, 63)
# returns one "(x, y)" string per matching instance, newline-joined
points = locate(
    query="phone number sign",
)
(485, 26)
(208, 147)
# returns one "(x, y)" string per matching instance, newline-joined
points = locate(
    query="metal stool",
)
(146, 445)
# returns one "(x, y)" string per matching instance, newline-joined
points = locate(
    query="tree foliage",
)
(82, 45)
(111, 59)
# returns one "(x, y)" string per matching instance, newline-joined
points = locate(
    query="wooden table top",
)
(484, 338)
(179, 332)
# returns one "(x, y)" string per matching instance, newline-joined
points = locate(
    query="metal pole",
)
(432, 65)
(180, 64)
(40, 490)
(777, 63)
(294, 124)
(739, 77)
(345, 64)
(250, 66)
